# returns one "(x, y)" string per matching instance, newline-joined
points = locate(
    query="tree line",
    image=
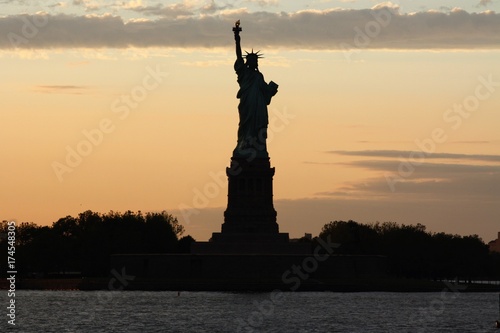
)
(84, 243)
(414, 252)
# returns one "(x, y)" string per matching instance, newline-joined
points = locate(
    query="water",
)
(104, 311)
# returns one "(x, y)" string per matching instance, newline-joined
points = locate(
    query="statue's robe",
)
(255, 95)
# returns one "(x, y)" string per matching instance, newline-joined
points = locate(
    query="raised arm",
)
(237, 38)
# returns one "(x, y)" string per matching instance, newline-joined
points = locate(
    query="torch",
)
(237, 28)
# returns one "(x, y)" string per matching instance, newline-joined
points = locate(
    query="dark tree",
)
(84, 243)
(184, 244)
(413, 252)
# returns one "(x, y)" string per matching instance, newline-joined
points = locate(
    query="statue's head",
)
(253, 59)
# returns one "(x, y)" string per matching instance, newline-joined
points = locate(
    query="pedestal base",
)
(250, 219)
(251, 247)
(245, 243)
(250, 197)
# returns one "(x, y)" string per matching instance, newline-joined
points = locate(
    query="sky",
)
(386, 111)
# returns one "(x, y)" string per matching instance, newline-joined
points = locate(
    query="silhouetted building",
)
(495, 244)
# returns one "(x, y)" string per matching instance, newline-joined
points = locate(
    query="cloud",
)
(212, 7)
(178, 10)
(61, 89)
(57, 4)
(170, 11)
(180, 26)
(429, 182)
(425, 168)
(264, 3)
(448, 177)
(432, 184)
(89, 7)
(484, 3)
(416, 154)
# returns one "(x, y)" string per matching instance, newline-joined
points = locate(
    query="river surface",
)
(133, 311)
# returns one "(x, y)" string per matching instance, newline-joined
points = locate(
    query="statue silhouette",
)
(255, 95)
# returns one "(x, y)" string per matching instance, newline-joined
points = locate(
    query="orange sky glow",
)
(407, 134)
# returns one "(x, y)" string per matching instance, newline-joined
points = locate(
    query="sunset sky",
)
(385, 111)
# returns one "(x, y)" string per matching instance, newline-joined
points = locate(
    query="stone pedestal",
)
(250, 219)
(250, 207)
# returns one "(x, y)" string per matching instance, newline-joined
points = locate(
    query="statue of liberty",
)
(255, 95)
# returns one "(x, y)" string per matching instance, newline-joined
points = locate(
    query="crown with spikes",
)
(256, 54)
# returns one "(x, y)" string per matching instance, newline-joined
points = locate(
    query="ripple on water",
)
(104, 311)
